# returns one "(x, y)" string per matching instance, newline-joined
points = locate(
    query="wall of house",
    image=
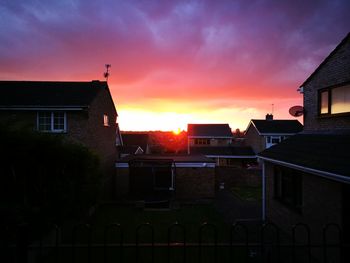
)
(254, 140)
(235, 176)
(335, 71)
(19, 119)
(101, 139)
(321, 204)
(220, 142)
(194, 183)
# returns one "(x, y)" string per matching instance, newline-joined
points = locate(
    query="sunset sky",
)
(175, 62)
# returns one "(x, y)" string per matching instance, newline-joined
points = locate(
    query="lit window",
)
(202, 141)
(105, 120)
(51, 121)
(335, 100)
(340, 100)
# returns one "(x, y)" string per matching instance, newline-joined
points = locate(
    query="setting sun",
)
(177, 131)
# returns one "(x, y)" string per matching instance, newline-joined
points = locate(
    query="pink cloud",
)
(204, 51)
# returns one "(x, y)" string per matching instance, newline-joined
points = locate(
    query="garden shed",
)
(165, 176)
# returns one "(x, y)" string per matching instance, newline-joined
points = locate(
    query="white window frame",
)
(52, 118)
(271, 137)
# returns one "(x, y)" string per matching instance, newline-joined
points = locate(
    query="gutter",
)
(328, 175)
(231, 156)
(177, 164)
(209, 137)
(43, 108)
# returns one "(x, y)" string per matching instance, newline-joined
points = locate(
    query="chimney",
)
(269, 117)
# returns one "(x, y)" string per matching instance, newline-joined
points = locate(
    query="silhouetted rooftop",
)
(136, 139)
(324, 152)
(129, 149)
(278, 126)
(209, 130)
(28, 94)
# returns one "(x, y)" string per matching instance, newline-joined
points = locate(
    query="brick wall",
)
(100, 138)
(19, 119)
(190, 183)
(334, 72)
(254, 140)
(321, 204)
(195, 183)
(234, 176)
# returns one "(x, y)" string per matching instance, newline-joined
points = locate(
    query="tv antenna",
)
(272, 108)
(106, 74)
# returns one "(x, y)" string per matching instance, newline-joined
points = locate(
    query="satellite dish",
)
(296, 111)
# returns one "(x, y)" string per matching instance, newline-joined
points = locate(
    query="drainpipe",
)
(263, 192)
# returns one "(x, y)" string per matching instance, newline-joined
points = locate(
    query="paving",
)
(234, 209)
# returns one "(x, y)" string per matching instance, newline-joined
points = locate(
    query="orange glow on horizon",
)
(161, 117)
(177, 131)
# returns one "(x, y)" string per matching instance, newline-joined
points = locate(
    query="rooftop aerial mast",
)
(106, 74)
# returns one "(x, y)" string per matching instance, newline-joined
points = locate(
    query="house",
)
(135, 143)
(215, 142)
(157, 177)
(262, 134)
(307, 177)
(82, 112)
(204, 135)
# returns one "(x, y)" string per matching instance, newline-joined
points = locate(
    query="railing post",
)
(22, 243)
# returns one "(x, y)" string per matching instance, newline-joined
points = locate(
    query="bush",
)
(45, 177)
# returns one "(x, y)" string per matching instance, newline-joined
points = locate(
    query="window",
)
(275, 140)
(105, 120)
(272, 140)
(52, 121)
(202, 141)
(268, 139)
(334, 100)
(288, 187)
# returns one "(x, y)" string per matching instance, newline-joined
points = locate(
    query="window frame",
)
(329, 102)
(52, 122)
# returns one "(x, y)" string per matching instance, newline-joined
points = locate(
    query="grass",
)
(247, 193)
(190, 217)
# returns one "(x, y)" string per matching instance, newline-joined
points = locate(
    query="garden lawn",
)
(191, 217)
(247, 193)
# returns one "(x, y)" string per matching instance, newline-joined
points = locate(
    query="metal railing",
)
(268, 244)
